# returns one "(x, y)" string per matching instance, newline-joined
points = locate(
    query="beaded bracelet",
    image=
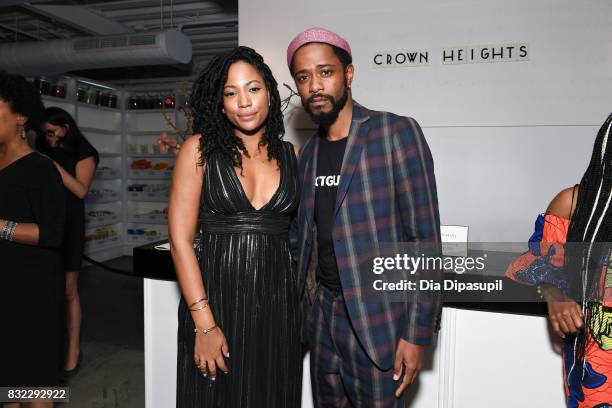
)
(3, 233)
(8, 231)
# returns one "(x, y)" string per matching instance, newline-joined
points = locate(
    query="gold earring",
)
(21, 126)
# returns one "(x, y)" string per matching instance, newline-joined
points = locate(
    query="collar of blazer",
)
(357, 137)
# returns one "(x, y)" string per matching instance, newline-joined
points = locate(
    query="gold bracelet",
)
(200, 308)
(205, 331)
(197, 301)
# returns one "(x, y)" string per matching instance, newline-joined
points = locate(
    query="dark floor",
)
(112, 371)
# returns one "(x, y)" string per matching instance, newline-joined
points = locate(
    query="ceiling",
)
(212, 27)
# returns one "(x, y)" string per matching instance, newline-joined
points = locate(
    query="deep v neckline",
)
(243, 192)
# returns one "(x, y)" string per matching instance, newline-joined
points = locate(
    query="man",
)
(366, 177)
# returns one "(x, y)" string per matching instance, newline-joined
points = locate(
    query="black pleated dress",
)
(247, 270)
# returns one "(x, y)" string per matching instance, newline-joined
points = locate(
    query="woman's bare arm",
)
(80, 184)
(562, 205)
(565, 314)
(210, 347)
(183, 209)
(24, 233)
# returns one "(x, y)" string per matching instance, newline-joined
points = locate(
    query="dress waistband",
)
(253, 221)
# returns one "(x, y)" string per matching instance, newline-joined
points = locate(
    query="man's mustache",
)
(320, 96)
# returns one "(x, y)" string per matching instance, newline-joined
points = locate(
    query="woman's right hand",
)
(565, 315)
(209, 352)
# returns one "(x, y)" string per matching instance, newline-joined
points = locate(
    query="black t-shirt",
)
(329, 163)
(68, 159)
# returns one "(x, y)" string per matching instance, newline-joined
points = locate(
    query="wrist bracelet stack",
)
(202, 307)
(8, 231)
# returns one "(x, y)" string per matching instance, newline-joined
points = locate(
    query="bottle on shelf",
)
(169, 102)
(104, 99)
(112, 102)
(58, 89)
(82, 93)
(42, 85)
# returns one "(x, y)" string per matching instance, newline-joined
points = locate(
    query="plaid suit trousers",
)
(342, 374)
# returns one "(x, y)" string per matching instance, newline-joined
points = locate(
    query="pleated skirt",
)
(252, 294)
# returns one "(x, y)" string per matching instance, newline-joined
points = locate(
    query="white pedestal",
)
(482, 360)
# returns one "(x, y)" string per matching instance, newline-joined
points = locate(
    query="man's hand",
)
(411, 357)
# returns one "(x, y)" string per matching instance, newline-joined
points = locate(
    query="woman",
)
(580, 270)
(31, 229)
(238, 337)
(76, 160)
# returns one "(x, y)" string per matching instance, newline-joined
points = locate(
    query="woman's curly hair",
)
(207, 103)
(22, 98)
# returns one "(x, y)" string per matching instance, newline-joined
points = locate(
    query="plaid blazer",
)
(387, 193)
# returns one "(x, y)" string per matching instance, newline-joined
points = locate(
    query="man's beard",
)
(326, 119)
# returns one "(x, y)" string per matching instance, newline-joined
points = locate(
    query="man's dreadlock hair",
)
(207, 103)
(591, 224)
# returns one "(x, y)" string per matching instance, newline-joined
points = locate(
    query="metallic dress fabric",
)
(247, 271)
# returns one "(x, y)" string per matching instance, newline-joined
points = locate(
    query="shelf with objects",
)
(149, 191)
(103, 215)
(147, 212)
(98, 110)
(102, 238)
(145, 233)
(156, 123)
(146, 160)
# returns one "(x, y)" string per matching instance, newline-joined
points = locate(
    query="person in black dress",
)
(76, 160)
(31, 229)
(236, 181)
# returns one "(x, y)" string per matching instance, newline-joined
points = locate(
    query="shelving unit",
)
(104, 244)
(103, 127)
(144, 239)
(107, 174)
(102, 220)
(121, 137)
(86, 130)
(146, 218)
(151, 155)
(150, 174)
(150, 197)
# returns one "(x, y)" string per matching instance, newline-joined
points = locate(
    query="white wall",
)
(505, 137)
